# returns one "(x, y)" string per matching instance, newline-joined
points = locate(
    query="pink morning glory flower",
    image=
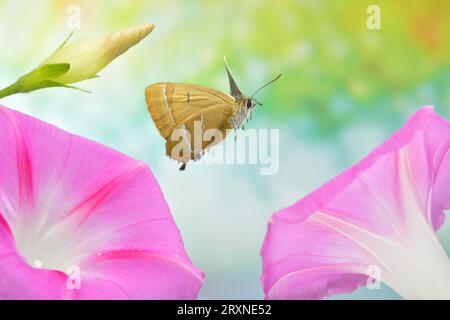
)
(376, 221)
(81, 221)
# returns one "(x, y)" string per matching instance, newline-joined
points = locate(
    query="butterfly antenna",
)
(270, 82)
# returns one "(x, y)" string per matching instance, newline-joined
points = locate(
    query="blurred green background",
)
(344, 90)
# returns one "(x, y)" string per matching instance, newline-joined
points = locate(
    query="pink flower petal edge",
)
(79, 220)
(380, 215)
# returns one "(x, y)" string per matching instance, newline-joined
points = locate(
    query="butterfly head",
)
(251, 103)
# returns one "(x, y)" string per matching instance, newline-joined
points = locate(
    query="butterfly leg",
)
(183, 166)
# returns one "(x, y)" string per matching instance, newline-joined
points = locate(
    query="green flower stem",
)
(10, 90)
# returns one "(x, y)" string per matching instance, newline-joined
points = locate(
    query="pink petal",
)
(388, 202)
(138, 275)
(67, 199)
(18, 280)
(12, 161)
(441, 199)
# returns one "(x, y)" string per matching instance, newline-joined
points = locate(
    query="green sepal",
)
(50, 84)
(46, 71)
(65, 41)
(40, 78)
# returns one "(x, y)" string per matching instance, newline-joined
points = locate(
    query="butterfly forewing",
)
(179, 106)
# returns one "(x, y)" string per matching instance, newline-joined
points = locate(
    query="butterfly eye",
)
(249, 104)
